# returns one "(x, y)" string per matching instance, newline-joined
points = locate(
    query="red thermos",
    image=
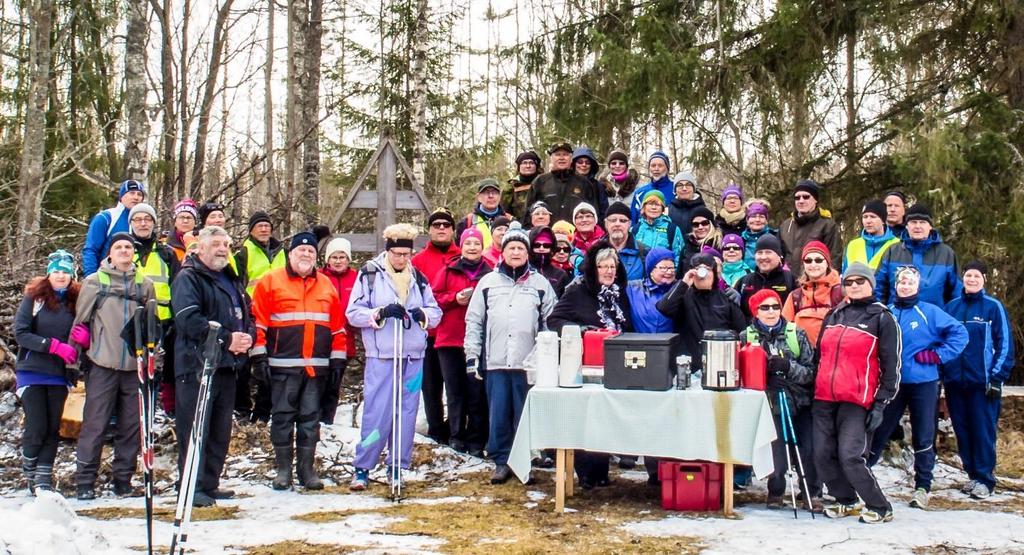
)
(753, 367)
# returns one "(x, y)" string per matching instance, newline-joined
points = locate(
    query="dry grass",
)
(296, 548)
(165, 514)
(500, 516)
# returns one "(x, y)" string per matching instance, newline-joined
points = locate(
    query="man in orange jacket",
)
(300, 344)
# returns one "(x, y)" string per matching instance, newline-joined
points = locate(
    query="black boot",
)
(28, 466)
(283, 457)
(307, 468)
(44, 477)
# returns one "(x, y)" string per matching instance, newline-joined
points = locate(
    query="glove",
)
(471, 369)
(778, 365)
(66, 352)
(994, 390)
(874, 417)
(80, 335)
(776, 381)
(732, 294)
(336, 367)
(260, 368)
(393, 310)
(418, 316)
(927, 356)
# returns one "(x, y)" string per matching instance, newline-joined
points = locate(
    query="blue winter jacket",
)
(925, 326)
(663, 184)
(655, 234)
(940, 277)
(632, 257)
(750, 243)
(643, 296)
(97, 239)
(989, 355)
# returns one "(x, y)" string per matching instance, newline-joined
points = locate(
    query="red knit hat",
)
(818, 247)
(761, 296)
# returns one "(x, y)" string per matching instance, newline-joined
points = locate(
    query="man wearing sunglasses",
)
(809, 222)
(108, 222)
(439, 253)
(769, 274)
(858, 361)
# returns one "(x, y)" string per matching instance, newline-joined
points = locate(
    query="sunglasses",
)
(542, 246)
(814, 260)
(440, 225)
(701, 223)
(772, 307)
(564, 249)
(733, 248)
(803, 197)
(855, 281)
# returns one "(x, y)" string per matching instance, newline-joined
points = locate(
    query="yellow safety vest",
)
(482, 225)
(258, 264)
(857, 251)
(160, 274)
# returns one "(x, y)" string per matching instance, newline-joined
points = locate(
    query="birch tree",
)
(418, 103)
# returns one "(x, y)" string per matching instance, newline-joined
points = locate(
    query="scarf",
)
(402, 280)
(733, 218)
(620, 178)
(906, 302)
(472, 268)
(608, 309)
(490, 214)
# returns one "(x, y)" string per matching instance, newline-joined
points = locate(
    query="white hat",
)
(583, 207)
(338, 244)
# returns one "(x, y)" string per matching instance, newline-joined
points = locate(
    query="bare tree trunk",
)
(209, 89)
(418, 102)
(136, 152)
(298, 19)
(798, 135)
(31, 183)
(268, 110)
(311, 115)
(183, 109)
(170, 121)
(851, 97)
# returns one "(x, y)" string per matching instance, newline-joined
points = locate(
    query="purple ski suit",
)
(378, 341)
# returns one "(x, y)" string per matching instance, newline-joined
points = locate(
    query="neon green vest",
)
(258, 264)
(791, 340)
(482, 225)
(857, 251)
(157, 271)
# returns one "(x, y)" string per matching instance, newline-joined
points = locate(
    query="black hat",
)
(977, 265)
(487, 183)
(206, 209)
(501, 221)
(769, 242)
(919, 212)
(440, 214)
(121, 236)
(527, 155)
(619, 208)
(875, 207)
(703, 211)
(258, 217)
(321, 232)
(809, 186)
(303, 238)
(900, 194)
(563, 145)
(618, 155)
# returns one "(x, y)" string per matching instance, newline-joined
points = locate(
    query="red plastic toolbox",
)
(690, 485)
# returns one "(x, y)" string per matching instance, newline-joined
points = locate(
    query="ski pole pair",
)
(395, 470)
(145, 356)
(789, 438)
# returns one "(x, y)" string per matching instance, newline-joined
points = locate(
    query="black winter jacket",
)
(579, 304)
(695, 311)
(779, 280)
(198, 298)
(33, 336)
(562, 191)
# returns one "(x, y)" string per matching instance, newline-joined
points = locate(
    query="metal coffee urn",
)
(721, 360)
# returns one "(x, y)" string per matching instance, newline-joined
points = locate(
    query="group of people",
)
(854, 334)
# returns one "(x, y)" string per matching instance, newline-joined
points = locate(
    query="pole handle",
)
(137, 329)
(152, 323)
(211, 348)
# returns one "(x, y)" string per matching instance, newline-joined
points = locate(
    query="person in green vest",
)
(874, 240)
(259, 254)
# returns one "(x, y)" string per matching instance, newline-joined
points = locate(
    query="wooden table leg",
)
(727, 490)
(559, 480)
(570, 472)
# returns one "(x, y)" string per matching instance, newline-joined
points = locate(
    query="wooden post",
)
(387, 186)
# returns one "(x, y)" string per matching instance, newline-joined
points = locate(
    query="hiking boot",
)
(457, 445)
(360, 481)
(920, 499)
(221, 493)
(652, 480)
(28, 466)
(203, 499)
(981, 491)
(871, 516)
(283, 460)
(307, 469)
(85, 492)
(124, 488)
(501, 474)
(817, 505)
(968, 487)
(627, 463)
(840, 510)
(776, 502)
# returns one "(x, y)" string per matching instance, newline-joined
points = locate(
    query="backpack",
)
(792, 342)
(135, 294)
(797, 294)
(370, 270)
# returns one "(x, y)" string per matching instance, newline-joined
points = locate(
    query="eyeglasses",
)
(814, 260)
(564, 249)
(855, 281)
(772, 307)
(731, 248)
(141, 219)
(701, 223)
(440, 225)
(616, 163)
(546, 246)
(400, 254)
(584, 216)
(803, 197)
(666, 269)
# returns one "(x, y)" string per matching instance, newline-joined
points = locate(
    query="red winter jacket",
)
(451, 332)
(858, 355)
(343, 282)
(430, 261)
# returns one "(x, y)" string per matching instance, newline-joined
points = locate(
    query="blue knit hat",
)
(303, 238)
(663, 156)
(60, 260)
(131, 185)
(656, 255)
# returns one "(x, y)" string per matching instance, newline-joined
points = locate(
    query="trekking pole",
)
(396, 424)
(145, 431)
(790, 477)
(788, 422)
(190, 472)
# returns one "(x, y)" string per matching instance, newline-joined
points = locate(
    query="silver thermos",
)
(721, 360)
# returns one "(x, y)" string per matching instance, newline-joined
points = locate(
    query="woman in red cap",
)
(820, 290)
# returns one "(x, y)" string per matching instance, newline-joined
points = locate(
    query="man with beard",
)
(208, 289)
(562, 189)
(631, 253)
(513, 198)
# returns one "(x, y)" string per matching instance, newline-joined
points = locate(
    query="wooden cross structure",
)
(385, 199)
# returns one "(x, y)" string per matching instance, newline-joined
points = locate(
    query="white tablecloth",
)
(734, 426)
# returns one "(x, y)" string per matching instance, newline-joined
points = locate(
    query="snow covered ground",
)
(49, 523)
